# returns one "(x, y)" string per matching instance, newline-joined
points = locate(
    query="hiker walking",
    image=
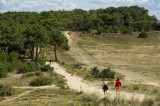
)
(51, 60)
(105, 86)
(117, 86)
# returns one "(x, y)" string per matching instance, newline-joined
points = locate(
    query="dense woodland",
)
(23, 33)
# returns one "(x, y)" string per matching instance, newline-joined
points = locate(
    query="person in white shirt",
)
(105, 86)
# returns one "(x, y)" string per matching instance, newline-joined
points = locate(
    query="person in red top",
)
(117, 86)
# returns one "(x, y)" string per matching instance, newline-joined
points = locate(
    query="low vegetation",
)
(47, 68)
(41, 81)
(6, 90)
(63, 97)
(29, 67)
(143, 35)
(124, 52)
(8, 63)
(105, 73)
(24, 36)
(32, 74)
(3, 73)
(76, 66)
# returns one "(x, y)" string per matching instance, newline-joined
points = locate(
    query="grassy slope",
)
(137, 58)
(126, 52)
(108, 50)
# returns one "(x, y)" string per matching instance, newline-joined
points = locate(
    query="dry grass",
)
(122, 52)
(15, 94)
(125, 52)
(51, 97)
(59, 97)
(137, 59)
(16, 80)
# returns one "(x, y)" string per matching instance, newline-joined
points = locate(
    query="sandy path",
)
(39, 87)
(77, 53)
(76, 83)
(11, 99)
(82, 56)
(27, 92)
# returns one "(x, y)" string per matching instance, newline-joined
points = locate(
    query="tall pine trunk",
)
(24, 54)
(32, 53)
(55, 52)
(37, 53)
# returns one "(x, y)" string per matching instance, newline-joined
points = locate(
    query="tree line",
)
(109, 20)
(27, 32)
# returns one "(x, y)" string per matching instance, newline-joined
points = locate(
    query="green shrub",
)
(110, 29)
(100, 31)
(28, 75)
(10, 67)
(94, 72)
(3, 73)
(3, 57)
(29, 67)
(40, 81)
(32, 74)
(47, 68)
(126, 32)
(107, 73)
(13, 57)
(76, 66)
(135, 87)
(61, 83)
(155, 91)
(6, 90)
(143, 35)
(38, 73)
(9, 62)
(65, 46)
(58, 80)
(42, 58)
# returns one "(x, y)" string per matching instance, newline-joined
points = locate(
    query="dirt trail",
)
(77, 53)
(40, 87)
(25, 93)
(76, 83)
(11, 99)
(81, 56)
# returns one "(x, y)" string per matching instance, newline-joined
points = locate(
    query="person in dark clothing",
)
(51, 60)
(105, 86)
(117, 86)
